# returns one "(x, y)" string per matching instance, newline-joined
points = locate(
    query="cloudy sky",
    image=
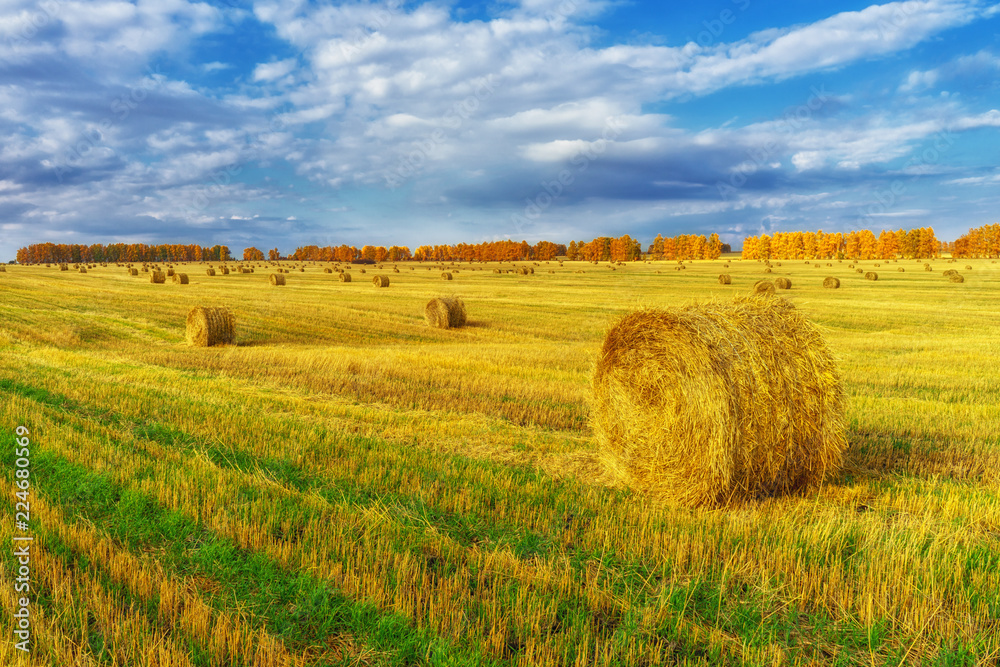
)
(288, 123)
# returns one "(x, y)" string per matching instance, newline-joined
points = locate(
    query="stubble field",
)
(347, 486)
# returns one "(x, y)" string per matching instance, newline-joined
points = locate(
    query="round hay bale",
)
(157, 277)
(397, 270)
(877, 266)
(950, 272)
(871, 275)
(446, 312)
(783, 283)
(83, 269)
(380, 281)
(779, 263)
(345, 277)
(181, 278)
(278, 279)
(901, 270)
(210, 272)
(170, 273)
(718, 402)
(362, 270)
(968, 267)
(768, 270)
(725, 279)
(831, 282)
(225, 271)
(327, 270)
(859, 270)
(763, 287)
(956, 278)
(64, 267)
(497, 271)
(446, 276)
(928, 267)
(210, 326)
(133, 272)
(302, 270)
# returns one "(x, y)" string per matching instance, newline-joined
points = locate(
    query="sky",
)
(287, 123)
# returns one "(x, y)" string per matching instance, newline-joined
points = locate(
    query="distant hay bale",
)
(447, 312)
(718, 402)
(157, 277)
(522, 271)
(446, 276)
(956, 278)
(327, 270)
(181, 278)
(725, 279)
(278, 279)
(768, 270)
(380, 281)
(831, 282)
(859, 270)
(345, 277)
(362, 270)
(783, 283)
(83, 269)
(763, 287)
(968, 267)
(210, 326)
(63, 267)
(397, 270)
(210, 272)
(928, 267)
(877, 266)
(133, 272)
(901, 270)
(170, 273)
(950, 272)
(871, 275)
(224, 270)
(302, 270)
(497, 271)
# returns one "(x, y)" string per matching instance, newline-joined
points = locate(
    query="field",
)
(347, 486)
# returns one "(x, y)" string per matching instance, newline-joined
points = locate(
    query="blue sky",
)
(279, 124)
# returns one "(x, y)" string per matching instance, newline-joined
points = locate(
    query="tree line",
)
(67, 253)
(979, 242)
(918, 243)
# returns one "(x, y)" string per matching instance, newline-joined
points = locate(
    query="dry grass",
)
(718, 402)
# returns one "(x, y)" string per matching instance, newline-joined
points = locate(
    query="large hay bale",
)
(783, 283)
(718, 402)
(328, 270)
(225, 270)
(956, 278)
(380, 281)
(210, 272)
(831, 282)
(725, 279)
(210, 326)
(181, 278)
(277, 279)
(871, 275)
(445, 312)
(763, 287)
(345, 277)
(157, 277)
(446, 276)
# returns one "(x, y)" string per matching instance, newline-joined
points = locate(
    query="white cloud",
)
(274, 70)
